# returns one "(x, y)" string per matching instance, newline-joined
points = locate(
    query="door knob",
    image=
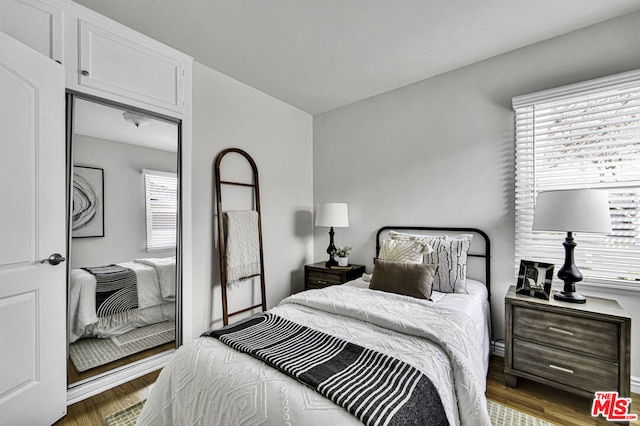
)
(54, 259)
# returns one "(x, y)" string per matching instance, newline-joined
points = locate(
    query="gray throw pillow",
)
(409, 279)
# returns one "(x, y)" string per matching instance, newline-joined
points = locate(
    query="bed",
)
(444, 338)
(155, 286)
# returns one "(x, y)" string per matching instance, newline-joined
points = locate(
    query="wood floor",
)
(92, 411)
(538, 400)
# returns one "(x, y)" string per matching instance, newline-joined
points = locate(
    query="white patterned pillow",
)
(449, 253)
(408, 251)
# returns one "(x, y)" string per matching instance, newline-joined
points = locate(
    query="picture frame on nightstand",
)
(534, 279)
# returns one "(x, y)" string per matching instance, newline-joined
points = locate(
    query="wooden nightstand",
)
(580, 348)
(317, 275)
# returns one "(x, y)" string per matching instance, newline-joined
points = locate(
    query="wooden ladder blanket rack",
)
(221, 231)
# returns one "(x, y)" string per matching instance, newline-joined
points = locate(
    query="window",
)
(585, 135)
(161, 193)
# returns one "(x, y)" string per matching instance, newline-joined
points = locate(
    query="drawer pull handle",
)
(561, 331)
(566, 370)
(321, 282)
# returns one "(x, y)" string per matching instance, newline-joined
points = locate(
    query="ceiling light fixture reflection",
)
(137, 119)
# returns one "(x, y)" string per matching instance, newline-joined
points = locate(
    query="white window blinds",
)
(161, 191)
(582, 136)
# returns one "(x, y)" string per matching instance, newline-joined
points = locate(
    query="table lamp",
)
(574, 210)
(332, 215)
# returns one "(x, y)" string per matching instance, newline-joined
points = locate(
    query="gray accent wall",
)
(440, 152)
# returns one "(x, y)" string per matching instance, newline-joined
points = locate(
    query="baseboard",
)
(497, 349)
(635, 384)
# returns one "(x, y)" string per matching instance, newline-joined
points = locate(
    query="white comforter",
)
(83, 321)
(208, 383)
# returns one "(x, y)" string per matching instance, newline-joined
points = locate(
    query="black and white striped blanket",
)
(375, 388)
(116, 289)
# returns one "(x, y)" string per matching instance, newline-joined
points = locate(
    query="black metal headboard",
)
(480, 250)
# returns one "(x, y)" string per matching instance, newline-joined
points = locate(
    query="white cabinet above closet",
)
(105, 57)
(101, 57)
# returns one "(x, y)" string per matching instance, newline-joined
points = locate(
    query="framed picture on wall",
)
(534, 279)
(87, 217)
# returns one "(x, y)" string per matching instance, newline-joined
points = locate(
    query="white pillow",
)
(407, 251)
(449, 253)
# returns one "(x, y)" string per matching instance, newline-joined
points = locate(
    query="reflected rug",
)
(93, 352)
(500, 416)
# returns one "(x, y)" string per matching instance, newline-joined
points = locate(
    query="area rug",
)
(127, 417)
(93, 352)
(500, 416)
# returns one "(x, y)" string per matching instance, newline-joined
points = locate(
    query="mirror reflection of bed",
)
(122, 277)
(119, 313)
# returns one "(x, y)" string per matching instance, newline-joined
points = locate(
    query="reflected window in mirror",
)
(161, 205)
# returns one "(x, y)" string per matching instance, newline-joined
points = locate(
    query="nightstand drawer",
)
(589, 336)
(321, 279)
(571, 369)
(318, 275)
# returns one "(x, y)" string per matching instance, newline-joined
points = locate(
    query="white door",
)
(32, 227)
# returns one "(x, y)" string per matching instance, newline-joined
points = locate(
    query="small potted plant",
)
(343, 255)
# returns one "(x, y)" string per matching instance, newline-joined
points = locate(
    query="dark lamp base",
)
(569, 296)
(330, 250)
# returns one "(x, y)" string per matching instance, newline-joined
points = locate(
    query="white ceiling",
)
(321, 54)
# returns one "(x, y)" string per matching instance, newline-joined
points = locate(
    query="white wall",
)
(125, 229)
(227, 113)
(441, 152)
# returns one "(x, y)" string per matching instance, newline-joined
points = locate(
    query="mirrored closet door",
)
(123, 242)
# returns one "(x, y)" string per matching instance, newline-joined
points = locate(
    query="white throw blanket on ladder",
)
(243, 245)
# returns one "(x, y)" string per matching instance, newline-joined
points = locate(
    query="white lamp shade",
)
(574, 210)
(332, 214)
